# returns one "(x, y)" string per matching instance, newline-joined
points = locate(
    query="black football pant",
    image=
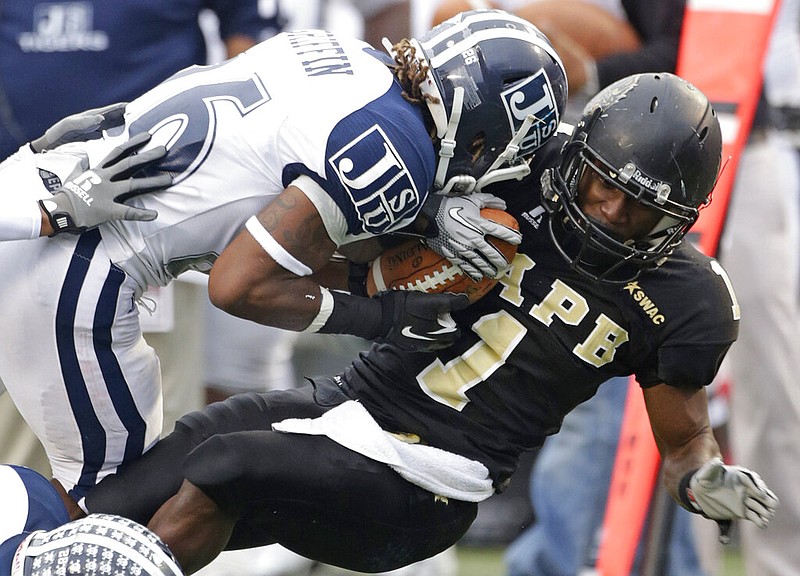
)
(308, 493)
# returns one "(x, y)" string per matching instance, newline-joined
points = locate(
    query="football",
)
(414, 266)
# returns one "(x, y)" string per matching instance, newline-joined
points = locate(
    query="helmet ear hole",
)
(653, 105)
(703, 134)
(476, 145)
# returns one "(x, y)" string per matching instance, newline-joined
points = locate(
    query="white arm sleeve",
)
(21, 218)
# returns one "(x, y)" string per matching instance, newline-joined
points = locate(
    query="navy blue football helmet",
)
(656, 138)
(98, 545)
(499, 92)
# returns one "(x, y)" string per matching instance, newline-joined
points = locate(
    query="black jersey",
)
(543, 340)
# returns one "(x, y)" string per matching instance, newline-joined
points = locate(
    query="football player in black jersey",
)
(384, 464)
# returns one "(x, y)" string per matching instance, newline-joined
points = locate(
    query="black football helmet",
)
(500, 90)
(656, 138)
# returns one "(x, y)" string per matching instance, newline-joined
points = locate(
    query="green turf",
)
(489, 562)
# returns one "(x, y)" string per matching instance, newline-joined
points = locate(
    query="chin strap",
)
(447, 145)
(509, 155)
(466, 184)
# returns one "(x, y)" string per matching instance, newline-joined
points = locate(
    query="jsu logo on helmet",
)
(534, 96)
(376, 180)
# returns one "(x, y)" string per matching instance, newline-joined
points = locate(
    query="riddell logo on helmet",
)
(532, 97)
(631, 172)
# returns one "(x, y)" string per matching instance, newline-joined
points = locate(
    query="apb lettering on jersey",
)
(320, 53)
(532, 97)
(376, 179)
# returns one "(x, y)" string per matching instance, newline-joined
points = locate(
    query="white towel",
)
(436, 470)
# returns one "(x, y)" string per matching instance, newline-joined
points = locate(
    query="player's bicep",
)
(284, 243)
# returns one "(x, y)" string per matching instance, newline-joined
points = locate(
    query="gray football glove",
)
(723, 492)
(88, 125)
(95, 196)
(461, 233)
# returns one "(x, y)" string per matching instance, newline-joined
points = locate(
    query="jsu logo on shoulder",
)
(376, 179)
(534, 96)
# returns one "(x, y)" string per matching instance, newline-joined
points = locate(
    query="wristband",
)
(357, 278)
(325, 309)
(685, 493)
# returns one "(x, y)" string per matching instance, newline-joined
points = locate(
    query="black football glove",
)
(88, 125)
(95, 196)
(418, 321)
(411, 320)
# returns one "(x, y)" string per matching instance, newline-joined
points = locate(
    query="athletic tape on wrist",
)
(278, 252)
(325, 309)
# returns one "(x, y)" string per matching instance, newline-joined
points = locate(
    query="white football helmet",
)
(98, 545)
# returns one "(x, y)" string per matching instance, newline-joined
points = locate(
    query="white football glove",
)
(723, 492)
(88, 199)
(461, 233)
(88, 125)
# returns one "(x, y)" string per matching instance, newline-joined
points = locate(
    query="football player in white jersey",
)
(284, 155)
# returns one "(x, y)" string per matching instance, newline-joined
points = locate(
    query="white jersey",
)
(303, 103)
(307, 108)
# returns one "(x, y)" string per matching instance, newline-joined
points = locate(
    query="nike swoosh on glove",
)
(723, 492)
(461, 233)
(418, 321)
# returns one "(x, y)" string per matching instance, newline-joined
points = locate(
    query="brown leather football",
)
(414, 266)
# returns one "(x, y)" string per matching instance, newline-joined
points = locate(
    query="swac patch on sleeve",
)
(376, 179)
(50, 180)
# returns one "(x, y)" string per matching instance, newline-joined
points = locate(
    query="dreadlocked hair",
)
(410, 72)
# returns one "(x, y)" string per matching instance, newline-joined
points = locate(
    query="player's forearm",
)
(679, 419)
(289, 303)
(678, 462)
(46, 228)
